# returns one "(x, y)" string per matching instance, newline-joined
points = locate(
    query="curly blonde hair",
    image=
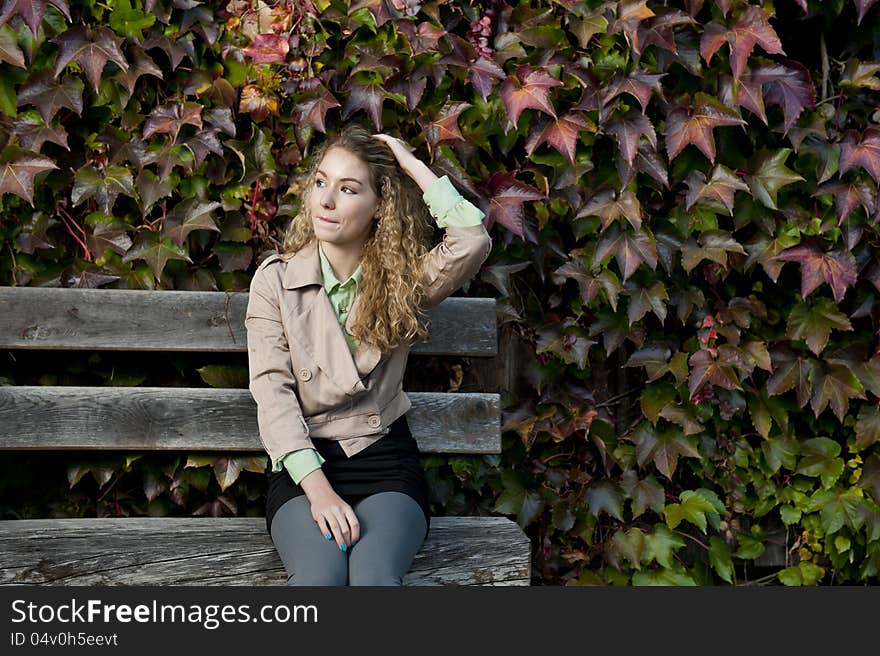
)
(390, 290)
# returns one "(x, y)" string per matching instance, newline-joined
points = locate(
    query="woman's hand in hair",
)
(333, 516)
(412, 165)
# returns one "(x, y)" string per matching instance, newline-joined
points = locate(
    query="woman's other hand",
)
(333, 516)
(412, 165)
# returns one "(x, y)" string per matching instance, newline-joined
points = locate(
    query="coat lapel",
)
(318, 331)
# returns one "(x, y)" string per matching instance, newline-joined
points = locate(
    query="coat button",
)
(305, 374)
(374, 421)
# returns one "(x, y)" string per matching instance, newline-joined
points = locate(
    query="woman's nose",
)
(327, 198)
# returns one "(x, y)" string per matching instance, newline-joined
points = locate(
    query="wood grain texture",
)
(208, 419)
(131, 320)
(233, 551)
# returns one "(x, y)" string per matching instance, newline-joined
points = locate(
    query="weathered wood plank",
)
(233, 551)
(121, 319)
(208, 419)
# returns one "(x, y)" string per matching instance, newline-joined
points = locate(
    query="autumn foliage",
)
(684, 202)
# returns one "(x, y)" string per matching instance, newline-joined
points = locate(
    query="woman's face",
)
(343, 202)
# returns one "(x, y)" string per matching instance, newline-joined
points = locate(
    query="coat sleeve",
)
(272, 384)
(464, 248)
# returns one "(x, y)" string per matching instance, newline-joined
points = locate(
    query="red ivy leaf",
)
(423, 38)
(259, 104)
(791, 371)
(609, 206)
(268, 48)
(693, 124)
(788, 85)
(863, 7)
(31, 11)
(720, 189)
(848, 196)
(380, 10)
(837, 268)
(9, 50)
(445, 126)
(48, 96)
(639, 84)
(865, 153)
(661, 30)
(751, 29)
(411, 86)
(749, 94)
(484, 73)
(91, 49)
(171, 117)
(142, 64)
(710, 369)
(630, 249)
(17, 170)
(562, 134)
(313, 111)
(508, 196)
(529, 88)
(630, 14)
(368, 97)
(629, 130)
(32, 133)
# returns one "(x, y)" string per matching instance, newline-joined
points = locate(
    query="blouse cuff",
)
(450, 208)
(300, 463)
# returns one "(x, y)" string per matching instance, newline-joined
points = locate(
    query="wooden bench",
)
(203, 550)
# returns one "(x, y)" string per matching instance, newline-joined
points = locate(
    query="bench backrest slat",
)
(132, 320)
(207, 419)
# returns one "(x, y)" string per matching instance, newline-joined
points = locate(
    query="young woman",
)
(330, 322)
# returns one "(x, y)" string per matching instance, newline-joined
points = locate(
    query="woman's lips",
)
(326, 220)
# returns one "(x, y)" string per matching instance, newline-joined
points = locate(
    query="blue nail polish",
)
(328, 536)
(343, 547)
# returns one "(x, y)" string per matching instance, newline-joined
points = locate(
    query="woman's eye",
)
(319, 183)
(348, 190)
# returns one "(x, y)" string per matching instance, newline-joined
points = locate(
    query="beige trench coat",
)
(303, 376)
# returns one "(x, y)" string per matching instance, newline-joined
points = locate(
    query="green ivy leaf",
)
(867, 427)
(660, 546)
(128, 20)
(255, 155)
(663, 448)
(835, 384)
(814, 323)
(769, 175)
(749, 547)
(234, 376)
(156, 252)
(819, 458)
(790, 515)
(662, 577)
(629, 544)
(89, 183)
(804, 573)
(719, 558)
(191, 214)
(694, 507)
(605, 497)
(837, 508)
(655, 397)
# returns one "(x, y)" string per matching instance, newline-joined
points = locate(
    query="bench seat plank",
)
(208, 419)
(132, 320)
(233, 551)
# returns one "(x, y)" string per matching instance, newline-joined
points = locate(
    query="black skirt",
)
(390, 464)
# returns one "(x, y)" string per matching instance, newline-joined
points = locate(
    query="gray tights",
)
(392, 531)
